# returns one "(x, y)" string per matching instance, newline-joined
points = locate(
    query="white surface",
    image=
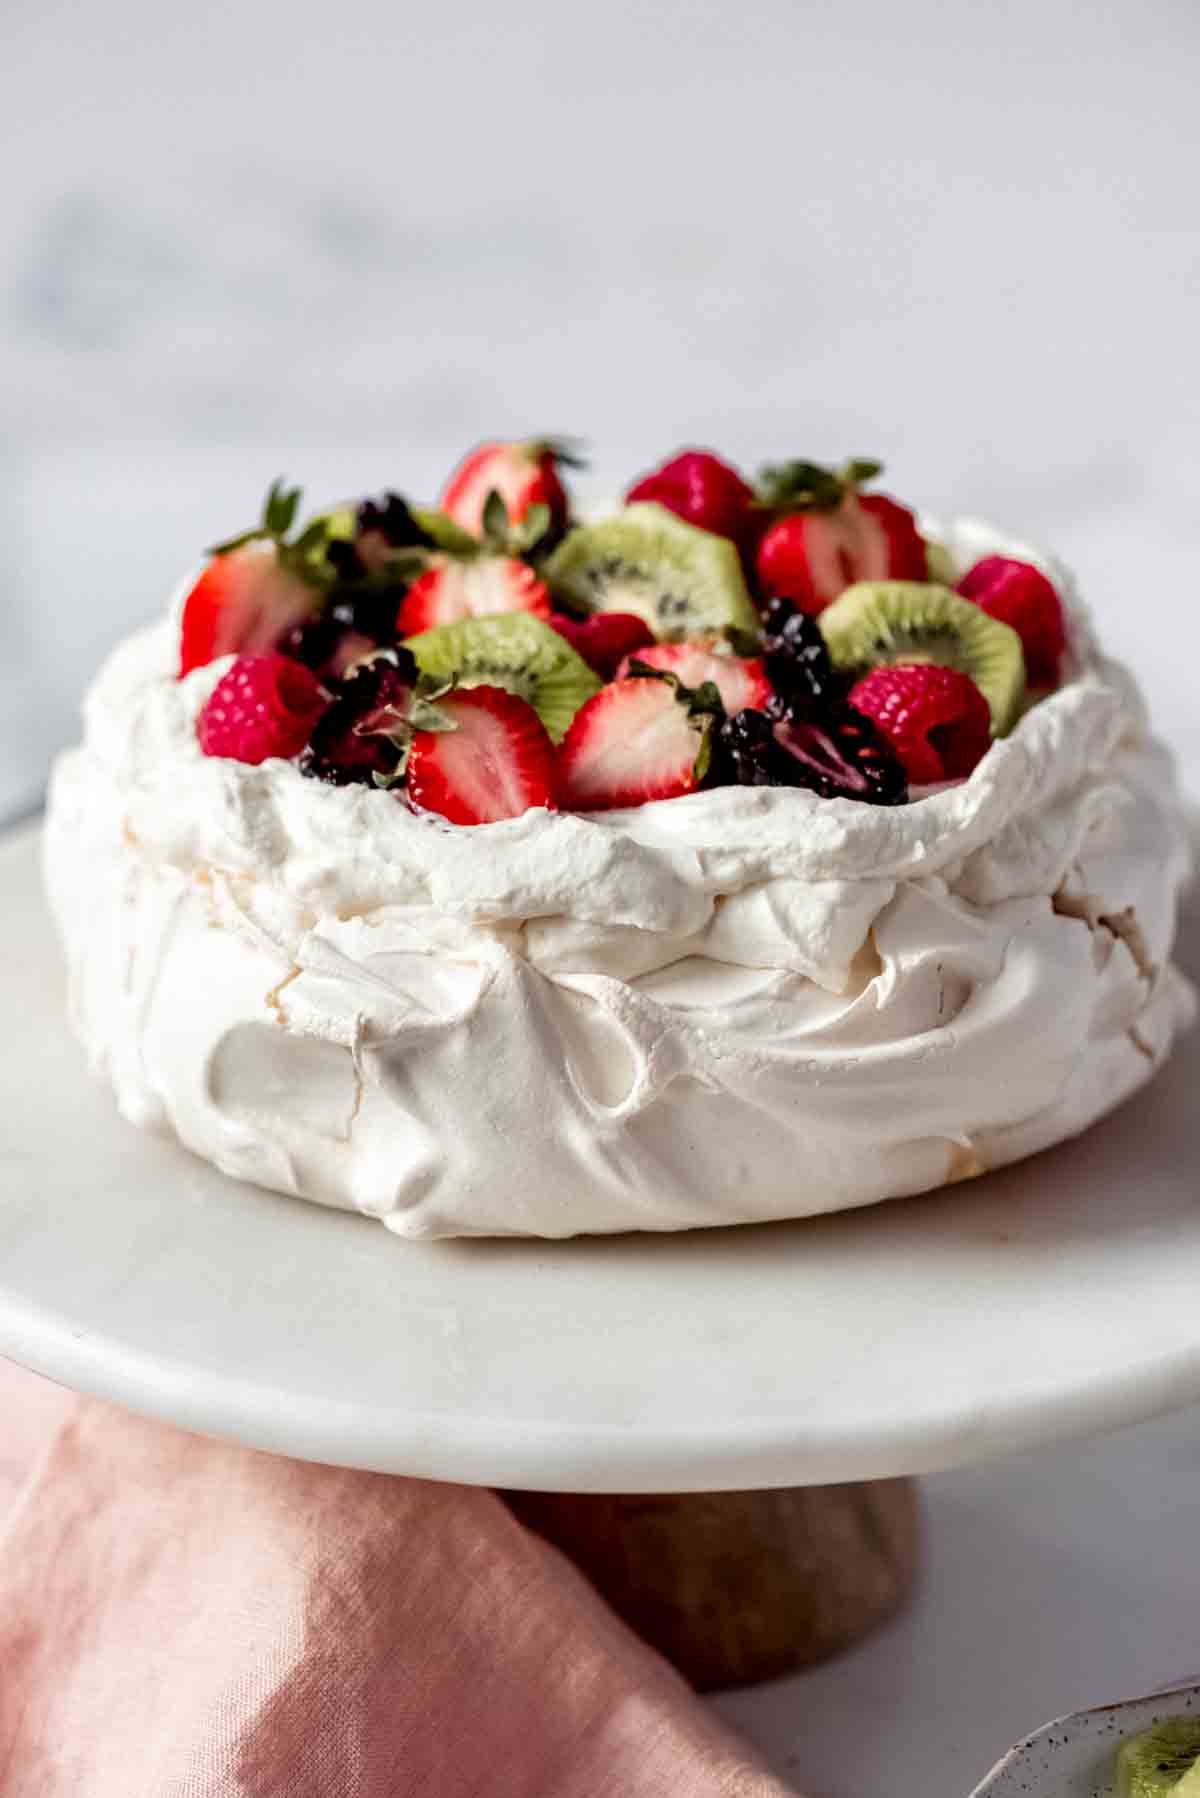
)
(1074, 1756)
(919, 1334)
(1053, 1581)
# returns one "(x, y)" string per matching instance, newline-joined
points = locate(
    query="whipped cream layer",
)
(744, 1004)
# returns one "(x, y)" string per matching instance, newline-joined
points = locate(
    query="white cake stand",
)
(1055, 1299)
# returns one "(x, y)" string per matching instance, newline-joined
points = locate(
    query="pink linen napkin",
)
(182, 1618)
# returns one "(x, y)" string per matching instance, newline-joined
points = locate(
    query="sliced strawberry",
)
(452, 588)
(828, 534)
(243, 603)
(604, 639)
(523, 474)
(633, 741)
(740, 680)
(496, 762)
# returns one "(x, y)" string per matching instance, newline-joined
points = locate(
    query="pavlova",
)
(746, 852)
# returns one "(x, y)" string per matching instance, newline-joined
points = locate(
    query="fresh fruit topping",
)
(640, 739)
(831, 535)
(523, 474)
(451, 589)
(262, 706)
(604, 639)
(701, 489)
(649, 562)
(1018, 594)
(1161, 1760)
(935, 719)
(740, 680)
(879, 623)
(365, 733)
(795, 654)
(516, 651)
(837, 754)
(490, 758)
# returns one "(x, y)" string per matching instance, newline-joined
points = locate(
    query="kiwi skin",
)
(645, 560)
(1154, 1763)
(516, 651)
(876, 623)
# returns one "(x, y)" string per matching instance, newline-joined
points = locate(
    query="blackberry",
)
(314, 642)
(351, 742)
(391, 517)
(798, 665)
(836, 753)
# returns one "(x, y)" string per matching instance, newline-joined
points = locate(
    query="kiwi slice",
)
(877, 622)
(683, 581)
(514, 650)
(1163, 1759)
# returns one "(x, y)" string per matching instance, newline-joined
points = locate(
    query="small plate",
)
(1074, 1756)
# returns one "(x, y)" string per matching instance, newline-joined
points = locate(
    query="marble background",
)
(344, 244)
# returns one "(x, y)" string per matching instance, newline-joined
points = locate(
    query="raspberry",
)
(935, 719)
(263, 706)
(1020, 595)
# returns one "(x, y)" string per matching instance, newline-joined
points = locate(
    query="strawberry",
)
(699, 487)
(740, 680)
(636, 740)
(604, 639)
(1020, 595)
(257, 589)
(831, 535)
(263, 706)
(453, 587)
(523, 474)
(935, 719)
(245, 600)
(489, 759)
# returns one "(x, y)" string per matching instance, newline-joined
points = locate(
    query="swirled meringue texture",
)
(740, 1005)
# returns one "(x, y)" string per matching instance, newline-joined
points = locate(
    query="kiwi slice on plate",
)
(683, 581)
(884, 622)
(516, 651)
(1161, 1760)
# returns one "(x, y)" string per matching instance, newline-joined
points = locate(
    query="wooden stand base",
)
(735, 1587)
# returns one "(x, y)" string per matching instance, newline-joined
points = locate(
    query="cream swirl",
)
(739, 1005)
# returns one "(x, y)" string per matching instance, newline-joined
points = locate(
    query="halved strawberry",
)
(635, 740)
(523, 474)
(740, 680)
(244, 603)
(835, 536)
(495, 761)
(452, 588)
